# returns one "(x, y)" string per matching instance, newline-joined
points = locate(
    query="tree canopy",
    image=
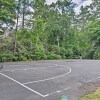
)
(54, 31)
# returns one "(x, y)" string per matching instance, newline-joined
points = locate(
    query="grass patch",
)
(93, 96)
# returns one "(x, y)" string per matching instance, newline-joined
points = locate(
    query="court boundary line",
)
(59, 91)
(26, 69)
(32, 90)
(70, 87)
(51, 77)
(22, 85)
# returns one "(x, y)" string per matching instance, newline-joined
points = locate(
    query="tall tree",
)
(7, 12)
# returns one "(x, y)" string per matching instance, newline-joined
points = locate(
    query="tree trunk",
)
(23, 16)
(58, 41)
(15, 45)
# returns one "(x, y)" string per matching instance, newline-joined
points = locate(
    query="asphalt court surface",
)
(46, 80)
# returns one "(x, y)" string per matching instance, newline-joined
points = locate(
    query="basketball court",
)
(45, 80)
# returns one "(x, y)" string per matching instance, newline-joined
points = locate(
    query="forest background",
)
(35, 30)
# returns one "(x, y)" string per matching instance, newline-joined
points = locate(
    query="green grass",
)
(93, 96)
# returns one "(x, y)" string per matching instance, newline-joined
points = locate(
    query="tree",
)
(7, 12)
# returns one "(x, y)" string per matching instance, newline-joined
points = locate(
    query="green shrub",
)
(51, 56)
(38, 56)
(97, 54)
(6, 56)
(63, 52)
(14, 59)
(21, 57)
(68, 53)
(54, 49)
(38, 53)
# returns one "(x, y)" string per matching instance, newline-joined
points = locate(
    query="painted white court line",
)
(78, 84)
(22, 85)
(51, 78)
(14, 65)
(93, 79)
(27, 69)
(59, 91)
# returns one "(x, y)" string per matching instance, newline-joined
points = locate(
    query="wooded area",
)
(33, 30)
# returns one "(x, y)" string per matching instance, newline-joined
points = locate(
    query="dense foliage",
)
(52, 31)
